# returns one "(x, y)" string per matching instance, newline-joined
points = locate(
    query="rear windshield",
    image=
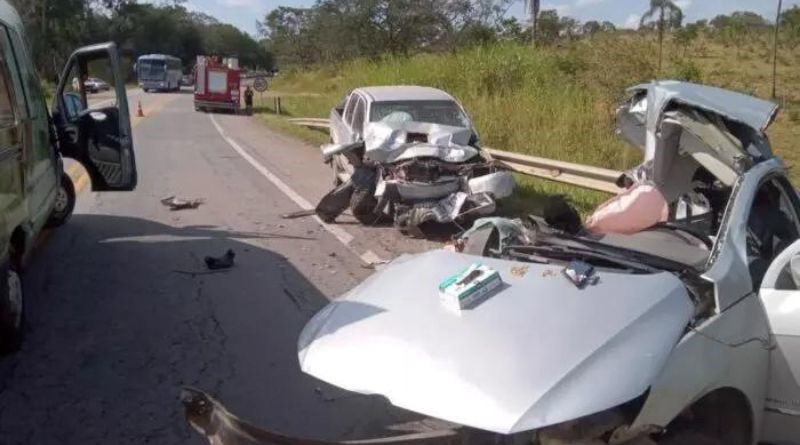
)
(442, 112)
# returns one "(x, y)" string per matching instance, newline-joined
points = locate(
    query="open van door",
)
(94, 126)
(780, 294)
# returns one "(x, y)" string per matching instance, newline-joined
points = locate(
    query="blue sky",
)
(244, 13)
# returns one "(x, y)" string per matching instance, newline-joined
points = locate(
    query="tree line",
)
(56, 27)
(331, 31)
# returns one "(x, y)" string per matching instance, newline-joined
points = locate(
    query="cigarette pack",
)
(468, 288)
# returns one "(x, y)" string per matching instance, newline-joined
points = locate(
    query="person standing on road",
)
(248, 100)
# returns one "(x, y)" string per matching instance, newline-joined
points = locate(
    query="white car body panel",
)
(702, 362)
(500, 184)
(782, 306)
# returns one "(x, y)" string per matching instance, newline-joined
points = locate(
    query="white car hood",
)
(539, 352)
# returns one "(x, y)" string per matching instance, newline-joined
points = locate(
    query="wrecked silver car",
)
(411, 153)
(671, 317)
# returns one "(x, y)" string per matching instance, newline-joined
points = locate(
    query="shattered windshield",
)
(442, 112)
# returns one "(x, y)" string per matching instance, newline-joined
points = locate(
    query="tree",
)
(686, 35)
(591, 28)
(549, 26)
(607, 26)
(790, 24)
(669, 15)
(336, 30)
(750, 19)
(56, 27)
(569, 28)
(510, 29)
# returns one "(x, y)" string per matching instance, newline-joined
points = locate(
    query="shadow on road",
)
(113, 332)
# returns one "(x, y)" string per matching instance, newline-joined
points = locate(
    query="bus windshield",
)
(152, 69)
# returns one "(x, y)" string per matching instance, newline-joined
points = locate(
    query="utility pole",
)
(533, 9)
(775, 51)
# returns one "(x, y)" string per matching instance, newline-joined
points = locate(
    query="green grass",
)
(556, 102)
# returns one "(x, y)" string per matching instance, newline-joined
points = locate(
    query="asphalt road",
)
(117, 322)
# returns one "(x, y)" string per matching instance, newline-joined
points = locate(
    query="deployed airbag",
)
(636, 209)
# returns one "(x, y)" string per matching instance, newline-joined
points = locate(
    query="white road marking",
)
(368, 257)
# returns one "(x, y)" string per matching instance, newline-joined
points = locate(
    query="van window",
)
(33, 90)
(12, 64)
(7, 118)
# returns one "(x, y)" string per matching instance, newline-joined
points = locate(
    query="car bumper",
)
(216, 105)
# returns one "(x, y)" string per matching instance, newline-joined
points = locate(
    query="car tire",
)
(64, 203)
(12, 308)
(363, 203)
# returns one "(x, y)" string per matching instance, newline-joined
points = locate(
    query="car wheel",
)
(363, 203)
(64, 203)
(12, 309)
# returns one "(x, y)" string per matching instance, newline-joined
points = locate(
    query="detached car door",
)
(780, 294)
(95, 129)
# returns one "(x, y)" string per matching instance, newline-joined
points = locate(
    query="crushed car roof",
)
(404, 93)
(751, 111)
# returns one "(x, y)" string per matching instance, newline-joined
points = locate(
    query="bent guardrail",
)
(585, 176)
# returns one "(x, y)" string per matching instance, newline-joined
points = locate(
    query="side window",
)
(772, 226)
(13, 66)
(33, 90)
(73, 96)
(348, 111)
(7, 117)
(358, 116)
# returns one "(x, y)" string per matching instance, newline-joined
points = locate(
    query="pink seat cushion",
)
(638, 208)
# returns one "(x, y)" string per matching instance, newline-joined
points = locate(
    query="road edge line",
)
(369, 257)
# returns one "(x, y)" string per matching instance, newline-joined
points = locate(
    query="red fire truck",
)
(216, 83)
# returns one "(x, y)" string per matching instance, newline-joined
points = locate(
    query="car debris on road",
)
(175, 203)
(222, 262)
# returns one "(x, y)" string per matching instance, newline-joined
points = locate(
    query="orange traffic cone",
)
(139, 111)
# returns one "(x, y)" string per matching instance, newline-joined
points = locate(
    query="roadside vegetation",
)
(56, 27)
(558, 100)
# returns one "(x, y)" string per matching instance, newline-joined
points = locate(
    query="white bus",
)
(159, 72)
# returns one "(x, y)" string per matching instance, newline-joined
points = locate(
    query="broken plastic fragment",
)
(223, 262)
(181, 204)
